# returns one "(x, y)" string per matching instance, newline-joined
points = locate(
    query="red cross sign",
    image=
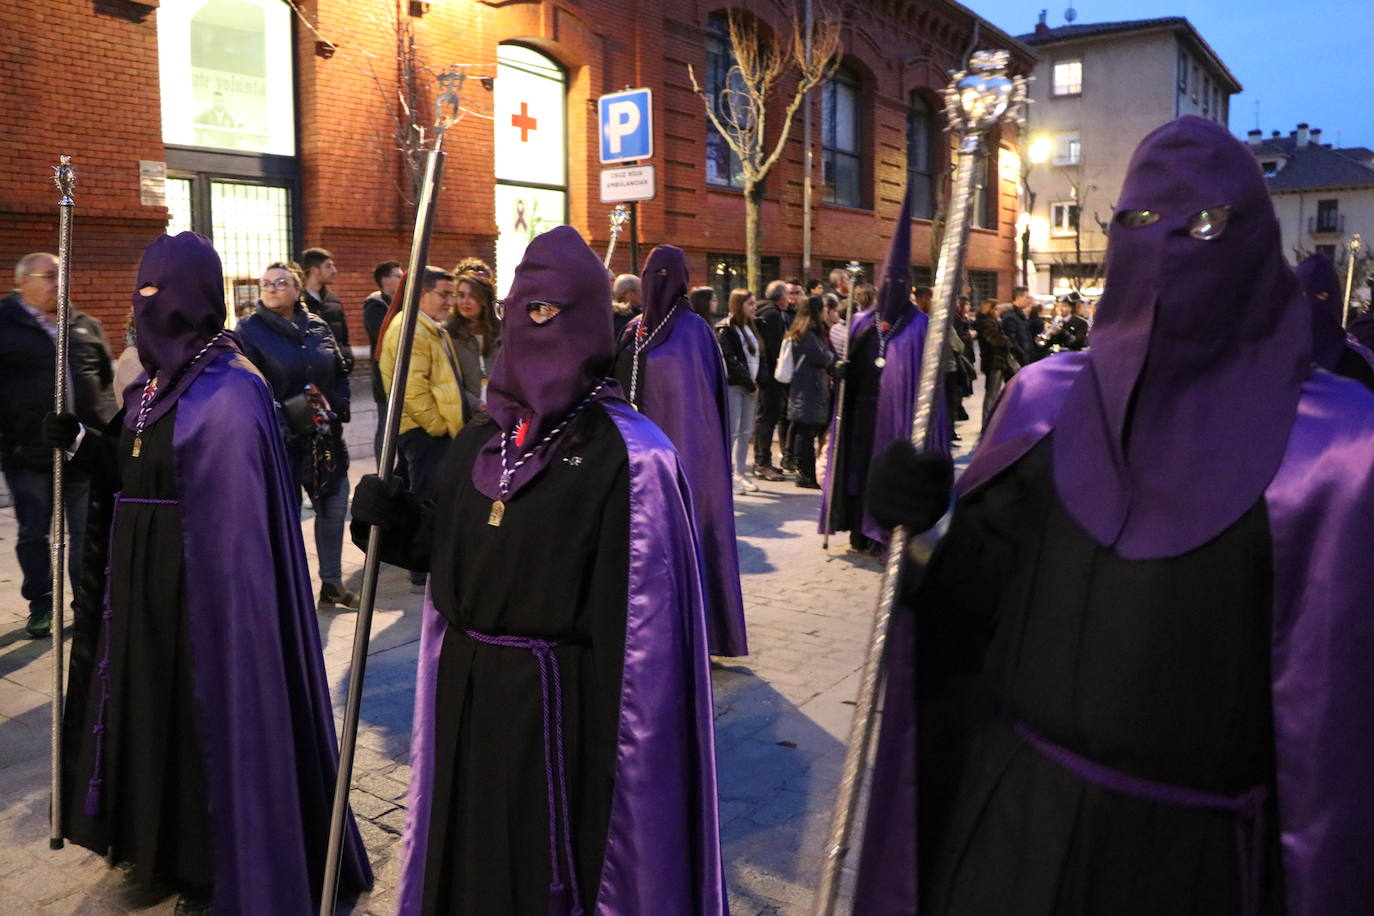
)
(524, 122)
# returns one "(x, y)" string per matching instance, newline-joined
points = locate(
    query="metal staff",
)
(1353, 248)
(831, 489)
(976, 101)
(618, 217)
(65, 178)
(446, 114)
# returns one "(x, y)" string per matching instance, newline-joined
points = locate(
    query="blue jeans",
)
(32, 492)
(331, 512)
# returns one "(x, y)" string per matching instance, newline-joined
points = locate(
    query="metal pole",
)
(634, 237)
(976, 101)
(1352, 248)
(807, 164)
(831, 476)
(65, 178)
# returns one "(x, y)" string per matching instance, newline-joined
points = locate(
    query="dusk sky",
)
(1301, 61)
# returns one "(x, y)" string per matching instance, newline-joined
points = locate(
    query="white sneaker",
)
(749, 484)
(741, 486)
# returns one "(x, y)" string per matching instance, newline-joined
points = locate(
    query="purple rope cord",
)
(1247, 807)
(93, 787)
(543, 652)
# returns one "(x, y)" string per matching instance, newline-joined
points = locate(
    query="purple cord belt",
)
(561, 900)
(1248, 807)
(102, 668)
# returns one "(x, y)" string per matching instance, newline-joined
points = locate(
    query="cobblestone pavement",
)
(781, 715)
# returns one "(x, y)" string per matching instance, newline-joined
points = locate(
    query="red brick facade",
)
(91, 89)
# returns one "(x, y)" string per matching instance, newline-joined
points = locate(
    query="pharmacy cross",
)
(524, 122)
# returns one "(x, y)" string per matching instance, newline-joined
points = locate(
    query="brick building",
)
(276, 123)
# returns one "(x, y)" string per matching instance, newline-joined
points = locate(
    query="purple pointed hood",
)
(175, 323)
(1199, 350)
(664, 285)
(1322, 287)
(545, 370)
(894, 297)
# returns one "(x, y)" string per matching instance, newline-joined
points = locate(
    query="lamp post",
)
(1036, 153)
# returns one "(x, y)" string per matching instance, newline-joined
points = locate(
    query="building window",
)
(920, 157)
(226, 75)
(1197, 80)
(1068, 77)
(921, 275)
(1068, 149)
(1327, 251)
(1063, 217)
(1270, 167)
(985, 193)
(722, 165)
(531, 152)
(982, 285)
(1183, 73)
(1328, 216)
(730, 271)
(1206, 95)
(840, 170)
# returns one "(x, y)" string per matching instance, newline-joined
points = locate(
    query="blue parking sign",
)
(627, 125)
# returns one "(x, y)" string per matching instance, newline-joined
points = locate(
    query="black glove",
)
(909, 488)
(59, 430)
(840, 370)
(389, 505)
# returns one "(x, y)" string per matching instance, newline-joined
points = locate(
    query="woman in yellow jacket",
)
(433, 409)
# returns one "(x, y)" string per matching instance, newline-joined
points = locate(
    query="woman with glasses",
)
(298, 355)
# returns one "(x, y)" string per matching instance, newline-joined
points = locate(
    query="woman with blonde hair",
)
(739, 344)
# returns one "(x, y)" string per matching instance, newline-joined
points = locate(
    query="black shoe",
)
(39, 625)
(789, 463)
(193, 904)
(767, 472)
(333, 594)
(806, 483)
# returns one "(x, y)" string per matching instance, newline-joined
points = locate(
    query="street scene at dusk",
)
(785, 457)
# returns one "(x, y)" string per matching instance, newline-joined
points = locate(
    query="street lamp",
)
(1037, 153)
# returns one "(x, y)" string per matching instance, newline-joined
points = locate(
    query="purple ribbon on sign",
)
(520, 216)
(1248, 807)
(543, 652)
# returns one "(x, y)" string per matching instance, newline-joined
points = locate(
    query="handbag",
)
(786, 364)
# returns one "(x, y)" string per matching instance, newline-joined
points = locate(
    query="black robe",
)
(862, 386)
(133, 771)
(1158, 669)
(555, 569)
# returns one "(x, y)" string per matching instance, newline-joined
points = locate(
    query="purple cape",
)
(683, 392)
(1320, 505)
(266, 724)
(663, 840)
(901, 379)
(1322, 287)
(1171, 443)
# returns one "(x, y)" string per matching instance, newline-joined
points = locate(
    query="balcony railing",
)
(1333, 224)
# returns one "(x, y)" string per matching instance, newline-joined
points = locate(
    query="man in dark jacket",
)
(772, 398)
(319, 269)
(28, 331)
(1016, 326)
(993, 354)
(387, 276)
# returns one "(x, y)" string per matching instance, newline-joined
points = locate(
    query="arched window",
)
(920, 157)
(722, 165)
(531, 148)
(840, 139)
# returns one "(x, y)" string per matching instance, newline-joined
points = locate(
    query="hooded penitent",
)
(670, 358)
(1332, 348)
(175, 323)
(545, 370)
(208, 514)
(1200, 347)
(900, 331)
(1197, 403)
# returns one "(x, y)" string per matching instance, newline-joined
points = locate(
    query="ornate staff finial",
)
(983, 95)
(447, 110)
(64, 176)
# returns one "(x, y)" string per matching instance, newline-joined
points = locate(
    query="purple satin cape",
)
(266, 724)
(663, 841)
(1321, 519)
(684, 394)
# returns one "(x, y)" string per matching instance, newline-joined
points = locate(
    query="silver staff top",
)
(64, 176)
(984, 94)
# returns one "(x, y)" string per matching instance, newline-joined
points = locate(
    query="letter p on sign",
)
(626, 120)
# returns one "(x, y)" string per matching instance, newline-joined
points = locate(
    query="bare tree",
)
(739, 109)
